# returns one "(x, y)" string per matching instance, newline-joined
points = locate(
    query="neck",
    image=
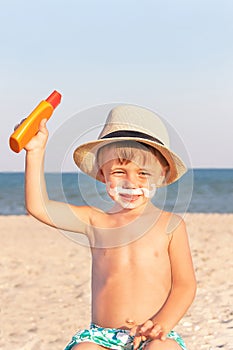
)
(117, 209)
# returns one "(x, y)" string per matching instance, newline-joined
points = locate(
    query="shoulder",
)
(85, 218)
(86, 213)
(176, 231)
(172, 223)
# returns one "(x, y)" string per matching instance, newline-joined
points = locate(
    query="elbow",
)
(36, 209)
(191, 289)
(32, 210)
(33, 213)
(192, 293)
(29, 210)
(41, 215)
(194, 288)
(188, 289)
(36, 213)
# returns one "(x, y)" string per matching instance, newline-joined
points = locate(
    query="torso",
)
(131, 274)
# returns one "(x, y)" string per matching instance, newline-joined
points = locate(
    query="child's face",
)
(130, 184)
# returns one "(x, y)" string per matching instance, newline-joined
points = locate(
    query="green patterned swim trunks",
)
(114, 338)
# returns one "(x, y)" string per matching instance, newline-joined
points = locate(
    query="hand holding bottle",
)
(33, 124)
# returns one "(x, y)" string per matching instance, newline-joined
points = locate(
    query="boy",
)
(142, 274)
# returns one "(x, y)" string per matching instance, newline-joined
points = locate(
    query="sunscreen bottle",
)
(30, 126)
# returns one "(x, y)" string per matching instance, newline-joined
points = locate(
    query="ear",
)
(160, 180)
(101, 176)
(162, 176)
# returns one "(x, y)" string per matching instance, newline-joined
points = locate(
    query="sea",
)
(198, 191)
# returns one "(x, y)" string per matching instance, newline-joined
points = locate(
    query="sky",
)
(174, 57)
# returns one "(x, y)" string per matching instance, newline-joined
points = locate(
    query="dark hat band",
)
(131, 133)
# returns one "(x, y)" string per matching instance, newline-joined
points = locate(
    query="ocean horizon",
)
(199, 191)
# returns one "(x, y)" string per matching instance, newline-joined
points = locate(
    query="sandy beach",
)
(45, 285)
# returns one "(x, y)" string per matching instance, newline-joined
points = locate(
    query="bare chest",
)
(147, 253)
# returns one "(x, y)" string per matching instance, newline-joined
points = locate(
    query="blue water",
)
(201, 190)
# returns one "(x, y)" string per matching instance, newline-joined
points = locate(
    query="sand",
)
(45, 285)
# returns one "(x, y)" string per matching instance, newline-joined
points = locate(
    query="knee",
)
(168, 344)
(80, 346)
(86, 346)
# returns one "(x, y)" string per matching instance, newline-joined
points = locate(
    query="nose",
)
(130, 181)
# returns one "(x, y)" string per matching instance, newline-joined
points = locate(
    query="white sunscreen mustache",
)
(119, 190)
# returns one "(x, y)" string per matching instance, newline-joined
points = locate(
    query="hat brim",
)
(84, 157)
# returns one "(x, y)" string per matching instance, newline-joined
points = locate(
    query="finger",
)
(163, 336)
(136, 342)
(155, 331)
(16, 126)
(133, 331)
(43, 123)
(43, 127)
(146, 327)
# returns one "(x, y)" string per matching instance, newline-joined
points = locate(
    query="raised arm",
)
(38, 204)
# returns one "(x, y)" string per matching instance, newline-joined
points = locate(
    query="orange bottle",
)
(30, 126)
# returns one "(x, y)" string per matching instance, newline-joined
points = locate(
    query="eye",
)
(144, 173)
(117, 172)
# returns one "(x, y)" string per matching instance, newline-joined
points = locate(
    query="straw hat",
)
(129, 122)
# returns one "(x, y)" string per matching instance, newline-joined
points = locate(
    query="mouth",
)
(129, 197)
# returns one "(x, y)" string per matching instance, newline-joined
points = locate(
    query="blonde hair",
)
(126, 151)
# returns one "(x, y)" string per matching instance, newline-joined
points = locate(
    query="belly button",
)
(131, 323)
